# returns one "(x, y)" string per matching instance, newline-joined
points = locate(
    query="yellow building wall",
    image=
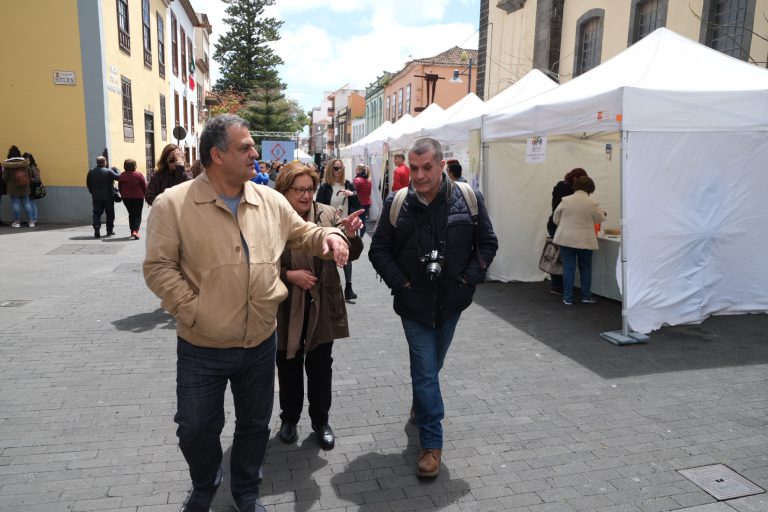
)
(44, 119)
(510, 46)
(146, 84)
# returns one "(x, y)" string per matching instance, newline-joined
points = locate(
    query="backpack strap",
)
(397, 205)
(470, 198)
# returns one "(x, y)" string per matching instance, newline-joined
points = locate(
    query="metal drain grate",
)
(721, 482)
(13, 303)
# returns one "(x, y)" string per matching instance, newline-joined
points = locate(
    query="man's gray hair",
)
(101, 161)
(215, 135)
(425, 144)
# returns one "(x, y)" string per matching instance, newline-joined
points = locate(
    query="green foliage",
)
(244, 53)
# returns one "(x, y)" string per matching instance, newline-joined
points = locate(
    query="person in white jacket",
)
(576, 217)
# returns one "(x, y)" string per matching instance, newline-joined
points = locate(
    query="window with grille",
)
(192, 116)
(127, 108)
(183, 38)
(408, 99)
(589, 37)
(176, 110)
(647, 16)
(163, 119)
(160, 46)
(146, 33)
(174, 45)
(400, 103)
(728, 25)
(387, 110)
(123, 29)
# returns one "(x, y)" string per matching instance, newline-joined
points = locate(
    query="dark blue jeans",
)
(570, 257)
(201, 380)
(101, 206)
(427, 348)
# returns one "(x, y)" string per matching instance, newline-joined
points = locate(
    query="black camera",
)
(433, 262)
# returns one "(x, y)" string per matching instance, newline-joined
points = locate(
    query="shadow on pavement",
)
(720, 341)
(116, 239)
(45, 226)
(157, 319)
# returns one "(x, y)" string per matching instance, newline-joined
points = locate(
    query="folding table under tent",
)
(690, 126)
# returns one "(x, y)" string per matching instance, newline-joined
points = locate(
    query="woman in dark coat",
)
(313, 314)
(170, 171)
(339, 192)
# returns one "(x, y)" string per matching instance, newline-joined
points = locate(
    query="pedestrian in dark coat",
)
(170, 171)
(339, 192)
(100, 183)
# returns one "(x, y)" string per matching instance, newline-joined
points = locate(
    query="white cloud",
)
(319, 58)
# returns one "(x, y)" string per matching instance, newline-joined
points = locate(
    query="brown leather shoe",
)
(429, 462)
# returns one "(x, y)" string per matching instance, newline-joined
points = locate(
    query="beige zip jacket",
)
(196, 264)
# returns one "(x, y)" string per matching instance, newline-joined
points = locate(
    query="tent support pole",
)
(624, 336)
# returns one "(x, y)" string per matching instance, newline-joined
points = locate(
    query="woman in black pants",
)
(132, 186)
(339, 192)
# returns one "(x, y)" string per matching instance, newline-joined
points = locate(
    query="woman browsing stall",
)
(576, 217)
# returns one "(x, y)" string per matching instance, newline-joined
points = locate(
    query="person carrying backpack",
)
(431, 252)
(17, 177)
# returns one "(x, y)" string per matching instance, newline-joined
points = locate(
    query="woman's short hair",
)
(197, 168)
(575, 173)
(328, 177)
(129, 164)
(454, 167)
(584, 183)
(290, 172)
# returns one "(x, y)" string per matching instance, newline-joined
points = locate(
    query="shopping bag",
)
(550, 261)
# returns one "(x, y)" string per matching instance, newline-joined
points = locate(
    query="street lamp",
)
(457, 80)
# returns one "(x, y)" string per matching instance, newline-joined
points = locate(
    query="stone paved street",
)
(542, 415)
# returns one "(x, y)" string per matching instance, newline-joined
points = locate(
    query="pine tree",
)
(247, 61)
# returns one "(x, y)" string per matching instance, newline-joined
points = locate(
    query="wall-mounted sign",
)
(63, 78)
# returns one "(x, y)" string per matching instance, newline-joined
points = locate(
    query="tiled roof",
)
(451, 57)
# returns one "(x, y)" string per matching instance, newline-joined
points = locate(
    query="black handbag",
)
(116, 195)
(37, 190)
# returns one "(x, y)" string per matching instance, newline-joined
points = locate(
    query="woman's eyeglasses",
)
(301, 190)
(337, 168)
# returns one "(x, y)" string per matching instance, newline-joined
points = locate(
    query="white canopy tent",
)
(692, 124)
(413, 130)
(302, 156)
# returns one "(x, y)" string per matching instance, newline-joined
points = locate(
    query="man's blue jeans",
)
(427, 348)
(201, 380)
(570, 257)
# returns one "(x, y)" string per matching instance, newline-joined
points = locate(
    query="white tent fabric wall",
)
(698, 226)
(519, 196)
(702, 112)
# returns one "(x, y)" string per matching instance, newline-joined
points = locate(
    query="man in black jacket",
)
(100, 185)
(431, 258)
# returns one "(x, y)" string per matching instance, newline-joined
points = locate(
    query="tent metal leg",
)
(624, 336)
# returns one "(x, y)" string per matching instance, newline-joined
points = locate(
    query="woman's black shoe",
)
(348, 293)
(325, 436)
(288, 432)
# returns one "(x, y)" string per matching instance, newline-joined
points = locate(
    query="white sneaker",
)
(16, 225)
(31, 223)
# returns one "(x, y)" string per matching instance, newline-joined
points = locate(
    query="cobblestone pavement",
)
(542, 415)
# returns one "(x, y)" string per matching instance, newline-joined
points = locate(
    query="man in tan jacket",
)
(213, 258)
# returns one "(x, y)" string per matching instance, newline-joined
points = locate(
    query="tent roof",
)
(664, 82)
(532, 84)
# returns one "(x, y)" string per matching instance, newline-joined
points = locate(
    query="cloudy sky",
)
(329, 43)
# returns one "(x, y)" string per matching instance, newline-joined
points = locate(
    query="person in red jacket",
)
(362, 185)
(402, 173)
(132, 186)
